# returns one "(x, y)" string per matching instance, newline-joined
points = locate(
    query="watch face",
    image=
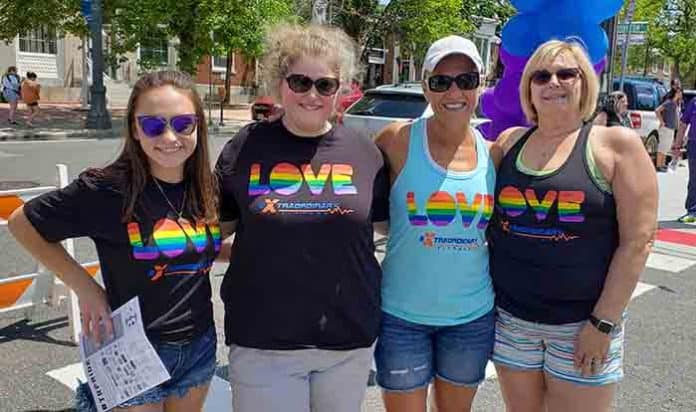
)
(604, 326)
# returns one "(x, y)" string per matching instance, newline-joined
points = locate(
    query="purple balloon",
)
(601, 65)
(507, 95)
(486, 130)
(512, 62)
(488, 104)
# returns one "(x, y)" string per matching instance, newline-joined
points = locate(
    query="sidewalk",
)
(59, 121)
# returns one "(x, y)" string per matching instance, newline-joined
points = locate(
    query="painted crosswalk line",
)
(220, 396)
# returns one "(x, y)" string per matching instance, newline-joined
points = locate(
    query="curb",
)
(231, 127)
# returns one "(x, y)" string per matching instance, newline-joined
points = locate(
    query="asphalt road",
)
(660, 363)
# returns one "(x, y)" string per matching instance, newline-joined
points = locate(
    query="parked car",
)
(644, 96)
(389, 103)
(265, 106)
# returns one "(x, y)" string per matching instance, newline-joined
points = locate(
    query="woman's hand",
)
(591, 348)
(95, 313)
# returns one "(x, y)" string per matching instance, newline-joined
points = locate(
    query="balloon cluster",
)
(538, 21)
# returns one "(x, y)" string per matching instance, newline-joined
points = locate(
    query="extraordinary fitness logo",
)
(272, 206)
(432, 241)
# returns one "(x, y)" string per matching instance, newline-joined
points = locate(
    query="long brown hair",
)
(131, 171)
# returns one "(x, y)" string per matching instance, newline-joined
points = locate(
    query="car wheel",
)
(651, 143)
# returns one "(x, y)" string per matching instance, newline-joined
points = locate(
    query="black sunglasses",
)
(154, 126)
(299, 83)
(440, 83)
(567, 75)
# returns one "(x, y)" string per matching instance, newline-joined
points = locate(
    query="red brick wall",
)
(243, 72)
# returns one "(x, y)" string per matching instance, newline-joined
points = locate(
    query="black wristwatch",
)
(602, 325)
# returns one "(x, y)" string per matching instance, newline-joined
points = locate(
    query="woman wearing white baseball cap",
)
(437, 297)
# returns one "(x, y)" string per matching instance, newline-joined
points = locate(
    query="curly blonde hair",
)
(288, 43)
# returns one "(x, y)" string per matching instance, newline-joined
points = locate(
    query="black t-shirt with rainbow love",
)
(303, 272)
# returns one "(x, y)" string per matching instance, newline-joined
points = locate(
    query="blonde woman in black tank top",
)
(574, 220)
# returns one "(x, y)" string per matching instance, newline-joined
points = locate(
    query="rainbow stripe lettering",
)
(512, 201)
(140, 251)
(286, 179)
(541, 209)
(255, 186)
(413, 216)
(569, 204)
(342, 180)
(316, 182)
(441, 209)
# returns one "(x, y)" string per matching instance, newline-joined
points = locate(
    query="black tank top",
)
(552, 238)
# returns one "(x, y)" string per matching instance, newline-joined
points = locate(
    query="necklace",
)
(183, 202)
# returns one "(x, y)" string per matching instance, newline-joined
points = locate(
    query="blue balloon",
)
(521, 35)
(597, 10)
(593, 36)
(526, 6)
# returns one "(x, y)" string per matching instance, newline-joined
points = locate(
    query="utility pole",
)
(98, 116)
(624, 56)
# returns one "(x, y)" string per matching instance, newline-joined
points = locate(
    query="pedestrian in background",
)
(574, 220)
(614, 112)
(31, 93)
(301, 292)
(156, 233)
(11, 84)
(438, 320)
(667, 115)
(688, 120)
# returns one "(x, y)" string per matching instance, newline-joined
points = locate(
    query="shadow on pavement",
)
(24, 329)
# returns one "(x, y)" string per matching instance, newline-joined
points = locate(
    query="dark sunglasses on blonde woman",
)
(567, 75)
(299, 83)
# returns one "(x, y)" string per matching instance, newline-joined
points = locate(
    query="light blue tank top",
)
(435, 271)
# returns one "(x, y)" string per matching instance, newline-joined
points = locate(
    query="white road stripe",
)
(667, 263)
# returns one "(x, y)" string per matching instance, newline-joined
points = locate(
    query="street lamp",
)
(98, 116)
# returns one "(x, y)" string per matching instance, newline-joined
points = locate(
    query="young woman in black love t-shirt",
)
(302, 290)
(152, 215)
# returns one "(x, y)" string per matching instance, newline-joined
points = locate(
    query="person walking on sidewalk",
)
(152, 215)
(11, 84)
(31, 93)
(574, 221)
(301, 292)
(688, 120)
(667, 115)
(437, 297)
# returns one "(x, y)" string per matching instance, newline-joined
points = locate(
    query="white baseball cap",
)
(448, 46)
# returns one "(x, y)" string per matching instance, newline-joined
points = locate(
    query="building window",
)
(41, 40)
(155, 52)
(220, 63)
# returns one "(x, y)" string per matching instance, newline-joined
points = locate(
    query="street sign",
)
(637, 27)
(86, 8)
(634, 39)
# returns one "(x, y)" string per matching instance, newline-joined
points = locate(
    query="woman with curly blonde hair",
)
(302, 290)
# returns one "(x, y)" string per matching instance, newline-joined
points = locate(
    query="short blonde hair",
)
(288, 43)
(546, 53)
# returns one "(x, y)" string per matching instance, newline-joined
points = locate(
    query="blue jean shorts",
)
(189, 364)
(409, 355)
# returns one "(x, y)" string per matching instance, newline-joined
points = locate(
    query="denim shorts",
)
(189, 364)
(531, 346)
(409, 355)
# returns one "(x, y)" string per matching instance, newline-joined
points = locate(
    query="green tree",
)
(240, 25)
(675, 35)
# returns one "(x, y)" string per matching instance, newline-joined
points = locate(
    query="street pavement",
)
(39, 364)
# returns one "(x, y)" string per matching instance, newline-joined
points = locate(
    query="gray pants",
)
(298, 380)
